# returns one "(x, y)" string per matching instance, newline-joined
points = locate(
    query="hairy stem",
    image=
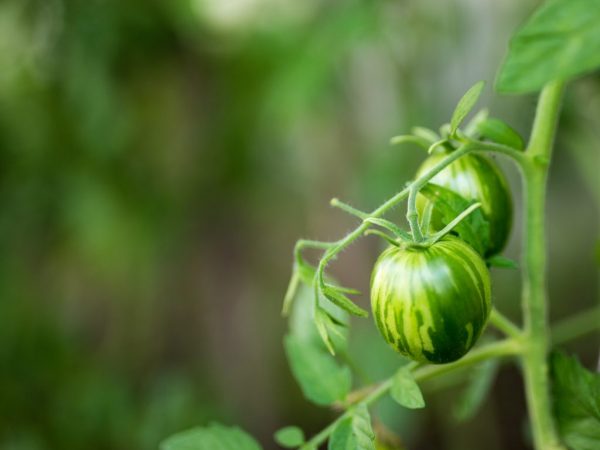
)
(534, 295)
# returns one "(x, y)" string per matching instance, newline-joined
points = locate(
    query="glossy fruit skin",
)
(475, 178)
(431, 304)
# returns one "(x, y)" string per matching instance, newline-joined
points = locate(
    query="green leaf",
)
(213, 437)
(322, 380)
(405, 389)
(334, 294)
(474, 229)
(482, 377)
(576, 402)
(497, 131)
(354, 432)
(290, 437)
(560, 41)
(465, 105)
(502, 262)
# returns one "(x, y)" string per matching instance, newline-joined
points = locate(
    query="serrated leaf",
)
(213, 437)
(502, 262)
(465, 105)
(474, 229)
(341, 300)
(405, 390)
(497, 131)
(482, 378)
(290, 437)
(561, 40)
(576, 402)
(322, 380)
(354, 432)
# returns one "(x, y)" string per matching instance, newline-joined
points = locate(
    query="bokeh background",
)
(158, 159)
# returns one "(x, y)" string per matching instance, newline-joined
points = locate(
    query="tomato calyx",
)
(405, 241)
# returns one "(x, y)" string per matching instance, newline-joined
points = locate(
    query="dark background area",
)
(158, 160)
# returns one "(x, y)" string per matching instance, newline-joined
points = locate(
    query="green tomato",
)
(431, 304)
(476, 178)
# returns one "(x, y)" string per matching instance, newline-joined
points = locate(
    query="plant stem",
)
(534, 296)
(502, 323)
(576, 325)
(507, 347)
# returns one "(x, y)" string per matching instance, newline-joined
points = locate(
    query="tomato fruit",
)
(431, 304)
(476, 178)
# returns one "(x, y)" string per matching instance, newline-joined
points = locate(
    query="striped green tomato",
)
(476, 178)
(431, 304)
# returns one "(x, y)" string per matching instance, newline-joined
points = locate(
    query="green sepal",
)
(410, 139)
(500, 132)
(502, 262)
(390, 226)
(336, 296)
(425, 133)
(465, 105)
(474, 229)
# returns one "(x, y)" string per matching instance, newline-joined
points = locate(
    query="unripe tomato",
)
(431, 304)
(476, 178)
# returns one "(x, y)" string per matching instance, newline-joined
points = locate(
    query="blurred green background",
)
(158, 159)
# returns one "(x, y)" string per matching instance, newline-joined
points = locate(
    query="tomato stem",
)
(534, 295)
(504, 324)
(498, 349)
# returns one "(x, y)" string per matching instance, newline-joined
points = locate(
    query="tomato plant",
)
(431, 293)
(431, 303)
(475, 178)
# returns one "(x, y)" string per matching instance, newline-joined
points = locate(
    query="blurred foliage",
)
(158, 158)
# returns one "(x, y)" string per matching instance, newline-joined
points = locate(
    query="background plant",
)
(553, 46)
(149, 147)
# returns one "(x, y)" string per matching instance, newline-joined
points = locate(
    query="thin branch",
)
(504, 324)
(497, 349)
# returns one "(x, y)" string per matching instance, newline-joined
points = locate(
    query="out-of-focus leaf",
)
(322, 380)
(479, 386)
(354, 432)
(561, 40)
(290, 437)
(213, 437)
(576, 402)
(405, 389)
